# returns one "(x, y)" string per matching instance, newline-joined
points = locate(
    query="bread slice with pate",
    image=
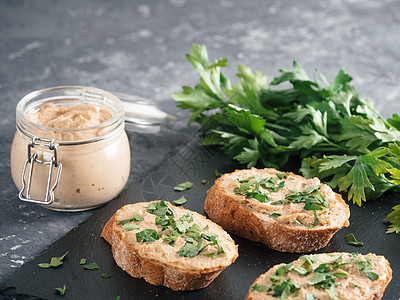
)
(325, 276)
(169, 245)
(285, 211)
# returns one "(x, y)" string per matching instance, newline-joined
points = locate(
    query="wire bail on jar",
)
(32, 158)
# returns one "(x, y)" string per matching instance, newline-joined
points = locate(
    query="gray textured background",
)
(138, 47)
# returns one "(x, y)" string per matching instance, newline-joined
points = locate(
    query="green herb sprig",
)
(338, 135)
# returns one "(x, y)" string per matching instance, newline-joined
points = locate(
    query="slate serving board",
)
(193, 163)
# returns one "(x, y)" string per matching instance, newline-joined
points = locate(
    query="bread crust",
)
(158, 272)
(236, 217)
(373, 291)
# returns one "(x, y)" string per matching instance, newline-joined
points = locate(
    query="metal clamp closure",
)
(32, 158)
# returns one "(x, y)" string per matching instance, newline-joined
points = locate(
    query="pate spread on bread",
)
(169, 245)
(325, 276)
(285, 211)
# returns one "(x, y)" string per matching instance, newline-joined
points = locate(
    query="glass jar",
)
(70, 169)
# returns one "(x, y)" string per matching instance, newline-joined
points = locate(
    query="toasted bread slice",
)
(183, 251)
(325, 276)
(285, 211)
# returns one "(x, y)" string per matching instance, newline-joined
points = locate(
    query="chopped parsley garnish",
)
(183, 186)
(259, 288)
(312, 198)
(324, 276)
(217, 173)
(160, 209)
(62, 290)
(189, 249)
(135, 217)
(105, 275)
(91, 266)
(188, 217)
(281, 287)
(54, 262)
(126, 225)
(130, 226)
(83, 261)
(282, 270)
(365, 267)
(258, 188)
(123, 222)
(196, 240)
(278, 202)
(311, 297)
(341, 275)
(301, 271)
(147, 235)
(275, 215)
(182, 200)
(282, 175)
(351, 240)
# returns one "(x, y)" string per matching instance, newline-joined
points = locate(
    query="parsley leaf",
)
(351, 240)
(130, 226)
(394, 218)
(91, 266)
(282, 270)
(301, 270)
(341, 275)
(189, 250)
(259, 288)
(62, 290)
(147, 235)
(278, 202)
(182, 200)
(309, 261)
(135, 217)
(183, 186)
(54, 262)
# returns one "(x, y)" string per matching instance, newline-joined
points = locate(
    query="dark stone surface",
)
(195, 163)
(138, 47)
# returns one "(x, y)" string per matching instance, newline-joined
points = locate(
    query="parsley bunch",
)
(338, 135)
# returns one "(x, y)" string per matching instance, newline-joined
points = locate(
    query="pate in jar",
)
(70, 151)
